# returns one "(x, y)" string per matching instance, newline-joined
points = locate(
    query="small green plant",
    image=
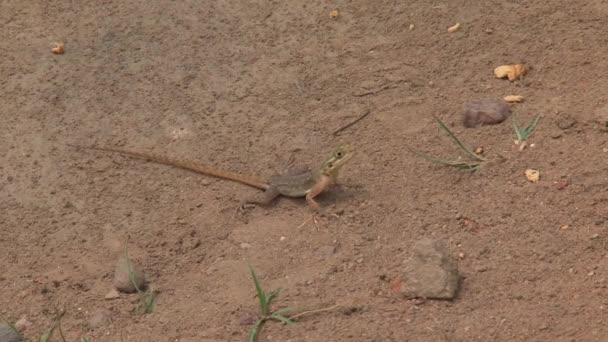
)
(146, 298)
(522, 133)
(473, 164)
(46, 337)
(264, 299)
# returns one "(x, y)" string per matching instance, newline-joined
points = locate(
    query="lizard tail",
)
(253, 181)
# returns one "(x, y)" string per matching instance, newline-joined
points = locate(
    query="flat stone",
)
(112, 294)
(430, 272)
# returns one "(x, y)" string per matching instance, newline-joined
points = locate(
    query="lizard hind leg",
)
(263, 198)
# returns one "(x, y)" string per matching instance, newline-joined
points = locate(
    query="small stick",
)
(313, 311)
(352, 122)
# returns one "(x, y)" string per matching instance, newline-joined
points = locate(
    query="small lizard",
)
(301, 183)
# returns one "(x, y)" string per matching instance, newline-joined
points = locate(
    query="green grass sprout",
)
(522, 133)
(264, 299)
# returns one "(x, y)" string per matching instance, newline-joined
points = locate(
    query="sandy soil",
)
(249, 86)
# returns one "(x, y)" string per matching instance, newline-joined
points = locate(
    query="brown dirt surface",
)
(247, 85)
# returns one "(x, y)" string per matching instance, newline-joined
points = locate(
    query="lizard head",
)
(337, 159)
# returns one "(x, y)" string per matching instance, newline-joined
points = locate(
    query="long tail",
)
(254, 181)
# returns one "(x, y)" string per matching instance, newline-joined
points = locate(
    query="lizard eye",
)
(339, 153)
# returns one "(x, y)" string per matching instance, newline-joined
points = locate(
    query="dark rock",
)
(485, 112)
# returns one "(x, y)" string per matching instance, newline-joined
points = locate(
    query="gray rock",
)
(122, 278)
(485, 112)
(8, 334)
(430, 272)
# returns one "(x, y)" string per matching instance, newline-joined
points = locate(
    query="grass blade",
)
(458, 142)
(523, 133)
(517, 130)
(532, 125)
(473, 165)
(283, 310)
(261, 295)
(254, 330)
(271, 295)
(282, 319)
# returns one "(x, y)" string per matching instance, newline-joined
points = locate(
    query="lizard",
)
(308, 183)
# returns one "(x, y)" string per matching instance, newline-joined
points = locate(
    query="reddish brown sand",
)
(245, 85)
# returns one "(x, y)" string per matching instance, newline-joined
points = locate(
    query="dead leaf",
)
(532, 175)
(454, 28)
(513, 98)
(58, 49)
(513, 71)
(333, 14)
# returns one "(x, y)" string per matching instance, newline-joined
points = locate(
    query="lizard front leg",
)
(321, 185)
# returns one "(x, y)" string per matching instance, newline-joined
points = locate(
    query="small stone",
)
(481, 268)
(430, 272)
(485, 112)
(9, 334)
(282, 238)
(247, 318)
(595, 236)
(113, 294)
(461, 255)
(22, 323)
(565, 121)
(561, 184)
(326, 250)
(245, 245)
(591, 273)
(122, 276)
(360, 260)
(100, 318)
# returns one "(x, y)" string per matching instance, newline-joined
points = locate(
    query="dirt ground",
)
(249, 86)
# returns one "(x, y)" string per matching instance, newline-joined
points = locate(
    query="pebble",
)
(245, 245)
(122, 276)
